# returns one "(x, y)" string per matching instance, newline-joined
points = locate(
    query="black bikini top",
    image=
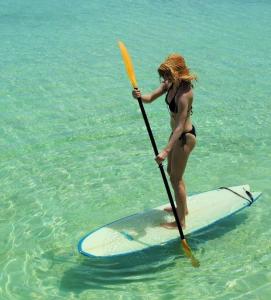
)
(173, 107)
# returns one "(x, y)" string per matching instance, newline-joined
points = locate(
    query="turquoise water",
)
(75, 153)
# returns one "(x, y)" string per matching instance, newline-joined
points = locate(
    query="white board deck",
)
(143, 230)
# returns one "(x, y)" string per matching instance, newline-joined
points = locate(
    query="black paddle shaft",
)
(160, 167)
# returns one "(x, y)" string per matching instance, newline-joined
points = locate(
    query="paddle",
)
(131, 74)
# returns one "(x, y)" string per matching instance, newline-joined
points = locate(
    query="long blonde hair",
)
(174, 67)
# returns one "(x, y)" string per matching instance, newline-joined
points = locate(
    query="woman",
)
(177, 83)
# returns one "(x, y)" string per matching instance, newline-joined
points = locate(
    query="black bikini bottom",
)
(182, 138)
(183, 135)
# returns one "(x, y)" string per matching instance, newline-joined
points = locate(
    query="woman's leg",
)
(179, 157)
(169, 209)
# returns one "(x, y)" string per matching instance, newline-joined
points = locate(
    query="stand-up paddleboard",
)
(143, 230)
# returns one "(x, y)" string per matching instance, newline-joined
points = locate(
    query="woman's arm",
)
(148, 98)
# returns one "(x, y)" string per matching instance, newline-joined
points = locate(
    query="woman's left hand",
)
(161, 157)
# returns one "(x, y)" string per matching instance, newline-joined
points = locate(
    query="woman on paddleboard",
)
(176, 82)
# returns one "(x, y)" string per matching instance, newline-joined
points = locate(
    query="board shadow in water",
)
(219, 228)
(112, 273)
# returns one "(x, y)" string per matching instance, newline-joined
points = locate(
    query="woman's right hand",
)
(136, 93)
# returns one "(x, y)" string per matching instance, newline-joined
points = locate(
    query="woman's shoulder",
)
(186, 98)
(186, 92)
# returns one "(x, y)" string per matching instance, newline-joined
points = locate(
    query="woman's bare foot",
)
(173, 225)
(169, 225)
(169, 210)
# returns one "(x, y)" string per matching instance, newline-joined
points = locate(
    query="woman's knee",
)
(176, 180)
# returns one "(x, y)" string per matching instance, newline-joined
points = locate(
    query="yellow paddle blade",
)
(189, 254)
(128, 64)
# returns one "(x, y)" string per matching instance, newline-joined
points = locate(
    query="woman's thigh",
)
(179, 156)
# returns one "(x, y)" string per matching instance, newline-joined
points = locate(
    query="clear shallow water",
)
(75, 153)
